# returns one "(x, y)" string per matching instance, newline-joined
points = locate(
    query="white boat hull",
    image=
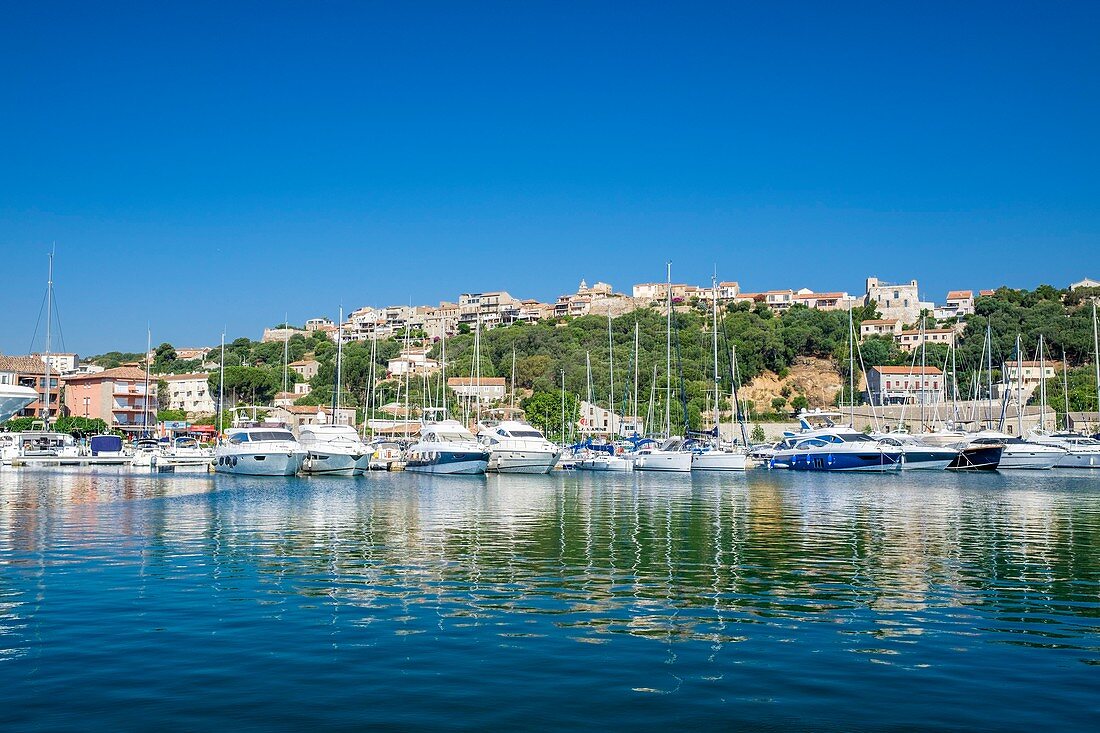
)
(604, 463)
(323, 463)
(465, 467)
(513, 461)
(1089, 459)
(719, 461)
(275, 463)
(1039, 461)
(667, 461)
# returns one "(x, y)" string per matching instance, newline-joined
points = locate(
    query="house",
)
(899, 385)
(910, 340)
(306, 367)
(824, 301)
(1034, 373)
(277, 335)
(30, 371)
(888, 327)
(960, 303)
(284, 399)
(412, 361)
(649, 292)
(896, 301)
(190, 393)
(1088, 282)
(295, 416)
(779, 300)
(302, 388)
(60, 363)
(320, 324)
(596, 420)
(728, 290)
(116, 396)
(485, 389)
(1086, 423)
(193, 353)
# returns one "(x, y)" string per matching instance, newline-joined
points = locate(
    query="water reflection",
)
(714, 572)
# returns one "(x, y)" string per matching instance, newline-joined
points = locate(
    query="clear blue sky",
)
(202, 165)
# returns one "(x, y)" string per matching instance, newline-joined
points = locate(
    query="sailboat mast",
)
(1019, 388)
(668, 353)
(1096, 353)
(145, 399)
(611, 373)
(851, 368)
(714, 341)
(339, 366)
(1042, 386)
(443, 371)
(637, 354)
(513, 375)
(221, 387)
(989, 369)
(1065, 385)
(563, 407)
(49, 333)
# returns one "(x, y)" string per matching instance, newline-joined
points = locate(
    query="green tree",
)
(757, 434)
(544, 411)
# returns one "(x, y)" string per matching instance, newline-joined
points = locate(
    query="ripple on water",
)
(768, 599)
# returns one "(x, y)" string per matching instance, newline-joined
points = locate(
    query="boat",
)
(670, 456)
(185, 453)
(822, 445)
(1080, 451)
(710, 457)
(334, 450)
(1019, 453)
(980, 454)
(591, 456)
(13, 398)
(446, 447)
(146, 453)
(517, 447)
(917, 455)
(386, 455)
(252, 447)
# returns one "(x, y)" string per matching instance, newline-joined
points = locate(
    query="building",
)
(274, 334)
(485, 389)
(284, 399)
(900, 302)
(30, 371)
(960, 303)
(194, 353)
(412, 361)
(116, 396)
(320, 324)
(596, 420)
(190, 393)
(1086, 423)
(306, 367)
(728, 290)
(824, 301)
(779, 300)
(887, 327)
(910, 340)
(899, 385)
(301, 389)
(295, 416)
(1034, 373)
(60, 363)
(1088, 282)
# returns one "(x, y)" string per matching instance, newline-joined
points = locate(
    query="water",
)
(772, 600)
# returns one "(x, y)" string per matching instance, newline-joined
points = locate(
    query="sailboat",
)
(710, 455)
(668, 456)
(1080, 451)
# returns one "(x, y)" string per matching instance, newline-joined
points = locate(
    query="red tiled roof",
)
(23, 364)
(123, 372)
(880, 322)
(960, 294)
(907, 370)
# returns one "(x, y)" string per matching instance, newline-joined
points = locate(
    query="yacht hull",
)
(1079, 460)
(667, 461)
(275, 463)
(605, 463)
(930, 459)
(513, 461)
(974, 458)
(719, 461)
(322, 463)
(865, 461)
(449, 462)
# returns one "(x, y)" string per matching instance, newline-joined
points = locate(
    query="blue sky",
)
(209, 165)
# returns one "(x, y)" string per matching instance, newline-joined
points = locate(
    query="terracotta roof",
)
(907, 370)
(879, 322)
(122, 372)
(23, 364)
(825, 296)
(960, 294)
(927, 331)
(986, 292)
(303, 362)
(471, 382)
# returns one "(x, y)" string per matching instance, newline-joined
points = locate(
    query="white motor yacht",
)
(1081, 451)
(446, 447)
(259, 451)
(185, 453)
(1019, 453)
(597, 460)
(517, 447)
(386, 455)
(334, 450)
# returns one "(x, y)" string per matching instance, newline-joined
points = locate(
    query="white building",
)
(1088, 282)
(888, 327)
(60, 363)
(898, 385)
(308, 368)
(596, 420)
(190, 393)
(910, 340)
(413, 361)
(485, 389)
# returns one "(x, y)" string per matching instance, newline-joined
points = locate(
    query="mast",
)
(477, 366)
(443, 362)
(714, 340)
(923, 373)
(989, 369)
(513, 376)
(1096, 353)
(369, 408)
(563, 407)
(1019, 388)
(1042, 386)
(1065, 385)
(221, 387)
(611, 373)
(735, 403)
(145, 399)
(851, 368)
(49, 333)
(637, 354)
(339, 367)
(286, 351)
(668, 354)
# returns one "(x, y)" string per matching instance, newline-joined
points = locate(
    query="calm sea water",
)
(771, 600)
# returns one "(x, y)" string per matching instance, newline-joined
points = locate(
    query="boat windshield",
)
(523, 434)
(255, 436)
(453, 437)
(857, 438)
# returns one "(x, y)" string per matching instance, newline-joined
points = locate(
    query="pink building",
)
(116, 396)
